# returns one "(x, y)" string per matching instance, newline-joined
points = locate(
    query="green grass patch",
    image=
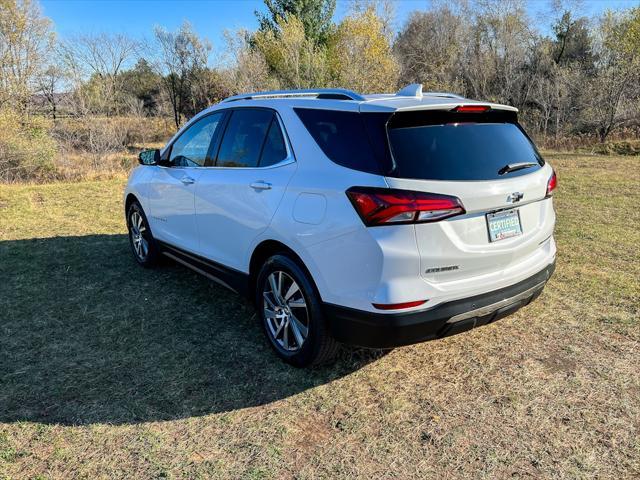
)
(109, 370)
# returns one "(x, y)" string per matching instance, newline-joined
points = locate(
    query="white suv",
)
(374, 220)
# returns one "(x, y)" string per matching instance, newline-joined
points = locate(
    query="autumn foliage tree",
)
(26, 38)
(360, 54)
(354, 54)
(296, 60)
(314, 15)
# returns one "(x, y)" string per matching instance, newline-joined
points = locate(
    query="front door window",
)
(191, 149)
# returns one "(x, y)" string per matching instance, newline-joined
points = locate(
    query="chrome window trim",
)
(282, 163)
(178, 167)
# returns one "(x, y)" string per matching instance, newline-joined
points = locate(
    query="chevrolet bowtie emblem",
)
(515, 197)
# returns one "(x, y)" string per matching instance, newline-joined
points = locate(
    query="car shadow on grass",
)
(87, 336)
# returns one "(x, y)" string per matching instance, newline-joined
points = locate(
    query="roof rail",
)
(327, 93)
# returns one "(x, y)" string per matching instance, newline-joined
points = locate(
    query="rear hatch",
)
(485, 159)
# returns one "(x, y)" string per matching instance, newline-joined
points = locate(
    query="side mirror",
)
(149, 157)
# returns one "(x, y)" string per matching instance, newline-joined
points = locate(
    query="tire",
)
(143, 246)
(293, 313)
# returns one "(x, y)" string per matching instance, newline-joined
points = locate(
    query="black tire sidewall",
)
(309, 351)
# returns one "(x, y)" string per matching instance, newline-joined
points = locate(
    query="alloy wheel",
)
(285, 311)
(137, 230)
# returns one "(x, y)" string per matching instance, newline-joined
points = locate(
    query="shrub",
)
(27, 150)
(105, 135)
(142, 131)
(100, 147)
(620, 147)
(95, 135)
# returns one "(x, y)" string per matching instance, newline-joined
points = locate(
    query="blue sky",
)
(211, 17)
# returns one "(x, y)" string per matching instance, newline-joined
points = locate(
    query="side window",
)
(342, 136)
(244, 137)
(274, 149)
(191, 148)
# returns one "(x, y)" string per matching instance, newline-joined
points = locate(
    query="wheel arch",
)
(129, 200)
(268, 248)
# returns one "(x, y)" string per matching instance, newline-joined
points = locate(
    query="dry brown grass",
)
(99, 148)
(111, 371)
(82, 166)
(75, 149)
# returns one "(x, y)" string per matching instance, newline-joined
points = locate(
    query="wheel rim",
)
(137, 230)
(285, 311)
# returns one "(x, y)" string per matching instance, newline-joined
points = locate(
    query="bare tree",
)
(497, 56)
(100, 58)
(615, 91)
(551, 101)
(429, 49)
(49, 82)
(182, 55)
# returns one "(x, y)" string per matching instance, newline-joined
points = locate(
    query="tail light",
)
(384, 206)
(471, 108)
(552, 184)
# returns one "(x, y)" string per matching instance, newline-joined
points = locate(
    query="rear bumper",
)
(378, 330)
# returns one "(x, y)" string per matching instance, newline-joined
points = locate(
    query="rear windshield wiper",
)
(512, 167)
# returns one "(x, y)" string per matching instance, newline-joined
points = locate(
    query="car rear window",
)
(447, 147)
(342, 136)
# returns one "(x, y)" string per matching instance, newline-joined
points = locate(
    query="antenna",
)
(413, 90)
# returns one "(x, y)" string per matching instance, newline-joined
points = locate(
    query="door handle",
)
(261, 185)
(187, 180)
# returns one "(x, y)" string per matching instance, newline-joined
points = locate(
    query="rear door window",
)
(274, 150)
(244, 137)
(459, 149)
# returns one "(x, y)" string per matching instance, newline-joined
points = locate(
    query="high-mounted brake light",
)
(471, 108)
(398, 306)
(385, 206)
(552, 184)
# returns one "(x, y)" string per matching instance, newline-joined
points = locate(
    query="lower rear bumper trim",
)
(379, 330)
(482, 311)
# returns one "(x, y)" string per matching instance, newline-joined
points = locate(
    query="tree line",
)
(569, 76)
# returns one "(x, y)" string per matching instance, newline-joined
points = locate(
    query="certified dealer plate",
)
(505, 224)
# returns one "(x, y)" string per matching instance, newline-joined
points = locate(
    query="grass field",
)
(108, 370)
